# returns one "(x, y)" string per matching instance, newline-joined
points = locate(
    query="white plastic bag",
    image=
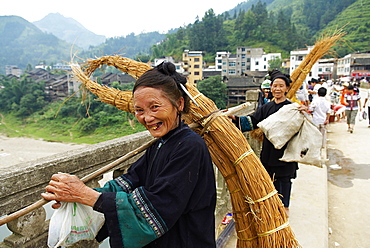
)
(305, 146)
(364, 115)
(281, 126)
(73, 222)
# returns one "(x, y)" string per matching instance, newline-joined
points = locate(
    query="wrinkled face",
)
(155, 111)
(279, 88)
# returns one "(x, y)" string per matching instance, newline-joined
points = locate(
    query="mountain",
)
(69, 30)
(22, 43)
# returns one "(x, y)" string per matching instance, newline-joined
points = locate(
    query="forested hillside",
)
(356, 21)
(129, 46)
(22, 43)
(277, 26)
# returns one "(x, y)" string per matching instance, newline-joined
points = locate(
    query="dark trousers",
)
(368, 113)
(284, 186)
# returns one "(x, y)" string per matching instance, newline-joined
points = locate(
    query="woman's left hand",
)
(302, 108)
(69, 188)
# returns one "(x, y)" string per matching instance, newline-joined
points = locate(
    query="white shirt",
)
(320, 107)
(368, 98)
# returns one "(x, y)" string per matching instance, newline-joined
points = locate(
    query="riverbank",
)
(18, 150)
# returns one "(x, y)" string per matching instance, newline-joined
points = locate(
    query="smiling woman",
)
(167, 198)
(280, 172)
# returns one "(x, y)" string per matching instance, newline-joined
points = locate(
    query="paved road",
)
(349, 185)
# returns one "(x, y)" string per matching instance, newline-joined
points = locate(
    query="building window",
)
(196, 66)
(232, 71)
(320, 69)
(243, 56)
(300, 58)
(257, 63)
(224, 63)
(248, 60)
(243, 49)
(243, 64)
(248, 51)
(196, 59)
(196, 73)
(231, 63)
(264, 59)
(264, 67)
(219, 61)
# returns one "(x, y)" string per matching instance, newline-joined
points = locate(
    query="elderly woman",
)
(281, 172)
(167, 198)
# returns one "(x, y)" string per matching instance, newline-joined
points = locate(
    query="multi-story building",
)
(218, 59)
(246, 59)
(327, 68)
(13, 70)
(356, 65)
(193, 65)
(297, 56)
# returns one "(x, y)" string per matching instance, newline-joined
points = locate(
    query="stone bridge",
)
(22, 184)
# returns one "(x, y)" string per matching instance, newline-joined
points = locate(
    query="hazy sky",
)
(119, 17)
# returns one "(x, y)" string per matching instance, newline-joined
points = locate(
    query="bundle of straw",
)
(259, 214)
(321, 48)
(270, 223)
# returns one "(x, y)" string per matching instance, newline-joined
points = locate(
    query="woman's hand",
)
(232, 117)
(69, 188)
(302, 108)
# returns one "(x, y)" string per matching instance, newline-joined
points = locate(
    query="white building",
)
(344, 66)
(157, 61)
(245, 59)
(218, 60)
(261, 63)
(327, 68)
(297, 56)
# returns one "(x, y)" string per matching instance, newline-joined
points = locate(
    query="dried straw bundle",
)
(321, 48)
(133, 68)
(120, 99)
(260, 216)
(269, 218)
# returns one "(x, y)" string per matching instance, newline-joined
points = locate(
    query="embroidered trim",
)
(146, 209)
(123, 184)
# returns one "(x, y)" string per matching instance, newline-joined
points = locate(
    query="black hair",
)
(274, 74)
(350, 87)
(322, 91)
(165, 77)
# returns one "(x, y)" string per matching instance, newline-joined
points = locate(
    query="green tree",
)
(214, 89)
(22, 96)
(275, 64)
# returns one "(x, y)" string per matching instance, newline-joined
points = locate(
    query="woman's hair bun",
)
(169, 69)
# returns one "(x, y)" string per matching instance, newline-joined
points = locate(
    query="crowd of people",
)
(340, 99)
